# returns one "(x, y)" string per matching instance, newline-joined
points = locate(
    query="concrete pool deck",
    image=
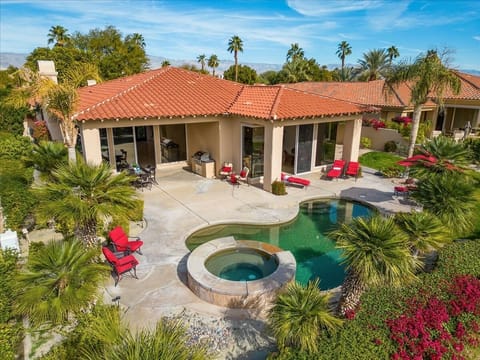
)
(184, 202)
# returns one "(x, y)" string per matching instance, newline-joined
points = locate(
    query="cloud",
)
(477, 38)
(319, 8)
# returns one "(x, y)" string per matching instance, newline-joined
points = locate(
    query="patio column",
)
(91, 146)
(273, 154)
(351, 139)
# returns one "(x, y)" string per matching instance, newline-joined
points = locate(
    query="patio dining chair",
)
(226, 170)
(120, 265)
(243, 176)
(120, 241)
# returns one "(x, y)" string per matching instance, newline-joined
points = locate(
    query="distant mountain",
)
(18, 60)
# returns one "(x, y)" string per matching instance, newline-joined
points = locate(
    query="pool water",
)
(243, 264)
(305, 237)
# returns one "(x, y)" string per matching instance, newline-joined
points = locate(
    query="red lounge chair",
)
(353, 169)
(337, 169)
(122, 244)
(287, 179)
(121, 265)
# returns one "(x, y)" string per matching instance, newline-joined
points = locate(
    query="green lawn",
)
(379, 160)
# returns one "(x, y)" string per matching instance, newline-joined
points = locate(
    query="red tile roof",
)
(376, 92)
(175, 92)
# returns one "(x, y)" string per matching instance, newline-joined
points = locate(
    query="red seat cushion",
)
(400, 189)
(233, 178)
(226, 169)
(243, 173)
(297, 180)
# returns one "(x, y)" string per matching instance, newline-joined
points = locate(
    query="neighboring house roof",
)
(175, 92)
(377, 93)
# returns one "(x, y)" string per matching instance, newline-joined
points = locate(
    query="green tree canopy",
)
(246, 75)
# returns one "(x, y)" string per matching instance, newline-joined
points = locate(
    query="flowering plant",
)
(405, 120)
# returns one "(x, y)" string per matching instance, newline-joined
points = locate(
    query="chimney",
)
(46, 68)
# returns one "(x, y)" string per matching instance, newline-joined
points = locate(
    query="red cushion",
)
(233, 178)
(243, 173)
(297, 180)
(226, 169)
(400, 188)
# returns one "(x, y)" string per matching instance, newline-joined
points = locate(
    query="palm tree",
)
(235, 44)
(295, 52)
(376, 253)
(373, 66)
(47, 156)
(300, 314)
(60, 100)
(429, 77)
(58, 35)
(136, 39)
(61, 278)
(392, 53)
(449, 196)
(202, 59)
(425, 231)
(165, 63)
(446, 155)
(114, 341)
(213, 62)
(344, 49)
(85, 195)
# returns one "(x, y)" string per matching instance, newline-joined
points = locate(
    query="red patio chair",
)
(288, 179)
(337, 169)
(226, 170)
(121, 243)
(353, 169)
(120, 265)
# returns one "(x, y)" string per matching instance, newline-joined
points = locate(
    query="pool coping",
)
(237, 294)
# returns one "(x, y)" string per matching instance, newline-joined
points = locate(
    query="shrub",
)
(278, 188)
(474, 146)
(365, 142)
(14, 147)
(40, 131)
(392, 171)
(390, 146)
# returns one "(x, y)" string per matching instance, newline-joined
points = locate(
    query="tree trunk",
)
(352, 290)
(88, 233)
(236, 67)
(415, 125)
(72, 154)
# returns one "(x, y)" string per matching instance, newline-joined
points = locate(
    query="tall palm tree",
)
(202, 59)
(300, 314)
(449, 196)
(344, 49)
(165, 63)
(58, 35)
(429, 78)
(235, 44)
(60, 279)
(375, 252)
(373, 66)
(60, 100)
(213, 62)
(295, 52)
(136, 39)
(392, 53)
(86, 195)
(425, 231)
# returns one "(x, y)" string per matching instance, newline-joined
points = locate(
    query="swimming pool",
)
(305, 237)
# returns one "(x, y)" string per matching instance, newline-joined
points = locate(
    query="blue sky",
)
(183, 29)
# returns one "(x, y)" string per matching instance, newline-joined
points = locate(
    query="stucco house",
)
(165, 116)
(396, 101)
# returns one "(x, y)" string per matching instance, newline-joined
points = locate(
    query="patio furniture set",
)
(120, 253)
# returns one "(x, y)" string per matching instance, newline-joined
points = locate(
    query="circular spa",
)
(230, 273)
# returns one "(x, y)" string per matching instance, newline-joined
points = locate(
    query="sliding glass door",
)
(253, 140)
